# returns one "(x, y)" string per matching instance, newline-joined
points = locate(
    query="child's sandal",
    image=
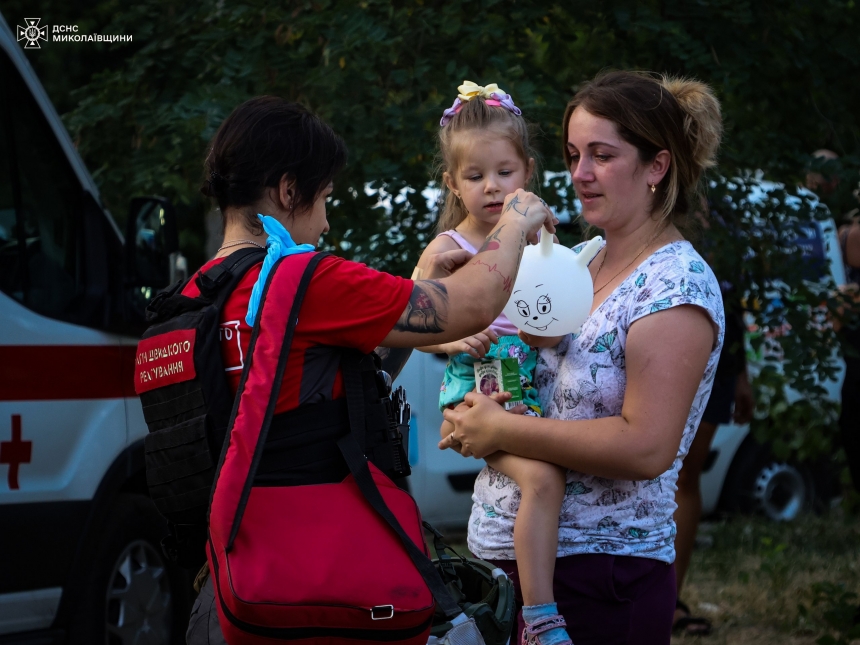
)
(531, 632)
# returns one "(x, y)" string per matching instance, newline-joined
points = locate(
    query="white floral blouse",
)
(584, 377)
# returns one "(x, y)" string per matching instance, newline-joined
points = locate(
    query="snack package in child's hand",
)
(500, 375)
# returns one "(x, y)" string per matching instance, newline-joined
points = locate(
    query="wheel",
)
(759, 483)
(132, 595)
(782, 492)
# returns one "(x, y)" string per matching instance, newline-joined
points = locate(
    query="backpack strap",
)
(219, 281)
(351, 450)
(264, 386)
(215, 284)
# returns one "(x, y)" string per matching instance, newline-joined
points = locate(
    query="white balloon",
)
(553, 292)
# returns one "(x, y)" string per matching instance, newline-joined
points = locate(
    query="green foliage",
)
(381, 73)
(839, 611)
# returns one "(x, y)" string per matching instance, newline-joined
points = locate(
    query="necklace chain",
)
(238, 242)
(626, 266)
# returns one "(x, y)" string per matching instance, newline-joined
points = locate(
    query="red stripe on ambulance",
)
(61, 372)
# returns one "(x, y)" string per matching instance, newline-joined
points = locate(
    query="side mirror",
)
(152, 257)
(152, 244)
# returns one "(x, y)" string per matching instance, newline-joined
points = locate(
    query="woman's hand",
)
(476, 422)
(475, 346)
(523, 204)
(541, 342)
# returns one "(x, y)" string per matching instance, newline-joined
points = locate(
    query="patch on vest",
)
(164, 360)
(231, 345)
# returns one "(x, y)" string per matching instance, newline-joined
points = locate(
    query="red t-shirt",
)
(347, 304)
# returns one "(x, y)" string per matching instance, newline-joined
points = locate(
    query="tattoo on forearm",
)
(492, 242)
(393, 359)
(514, 203)
(426, 312)
(507, 281)
(511, 204)
(522, 248)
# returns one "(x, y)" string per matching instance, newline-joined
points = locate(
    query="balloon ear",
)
(588, 252)
(546, 242)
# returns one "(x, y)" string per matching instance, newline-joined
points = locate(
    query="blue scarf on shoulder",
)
(280, 244)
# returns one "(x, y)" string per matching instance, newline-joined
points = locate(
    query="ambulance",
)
(80, 560)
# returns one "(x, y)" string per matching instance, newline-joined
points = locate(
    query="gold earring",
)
(653, 188)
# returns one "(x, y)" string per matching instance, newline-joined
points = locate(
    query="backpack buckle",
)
(379, 612)
(211, 282)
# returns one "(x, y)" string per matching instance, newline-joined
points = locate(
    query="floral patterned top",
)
(584, 377)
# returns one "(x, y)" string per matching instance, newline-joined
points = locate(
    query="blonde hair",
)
(476, 115)
(666, 113)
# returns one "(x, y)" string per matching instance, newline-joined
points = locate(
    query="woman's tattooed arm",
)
(427, 310)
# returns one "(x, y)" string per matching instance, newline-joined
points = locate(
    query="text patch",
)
(164, 360)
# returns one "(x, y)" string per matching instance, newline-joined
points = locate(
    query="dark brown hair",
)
(659, 113)
(476, 115)
(262, 140)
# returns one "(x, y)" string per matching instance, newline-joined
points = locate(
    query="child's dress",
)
(460, 373)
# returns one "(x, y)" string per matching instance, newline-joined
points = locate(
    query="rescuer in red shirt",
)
(271, 157)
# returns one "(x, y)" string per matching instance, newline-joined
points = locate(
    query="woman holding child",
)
(622, 399)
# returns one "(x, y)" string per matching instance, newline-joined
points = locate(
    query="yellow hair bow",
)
(492, 94)
(469, 90)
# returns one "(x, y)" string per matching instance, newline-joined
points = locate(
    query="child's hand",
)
(441, 265)
(539, 341)
(475, 346)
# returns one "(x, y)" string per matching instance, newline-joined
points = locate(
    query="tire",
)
(131, 595)
(758, 483)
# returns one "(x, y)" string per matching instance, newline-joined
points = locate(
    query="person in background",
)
(849, 417)
(731, 386)
(849, 245)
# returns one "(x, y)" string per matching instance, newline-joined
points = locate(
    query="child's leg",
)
(536, 542)
(536, 526)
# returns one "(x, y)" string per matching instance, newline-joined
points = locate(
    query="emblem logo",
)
(32, 33)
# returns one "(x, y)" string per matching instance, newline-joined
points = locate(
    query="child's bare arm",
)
(475, 346)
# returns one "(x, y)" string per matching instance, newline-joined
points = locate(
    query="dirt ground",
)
(766, 583)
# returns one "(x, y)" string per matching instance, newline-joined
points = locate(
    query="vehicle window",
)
(810, 243)
(41, 204)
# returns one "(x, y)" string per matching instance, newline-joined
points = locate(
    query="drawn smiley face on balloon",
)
(536, 313)
(552, 295)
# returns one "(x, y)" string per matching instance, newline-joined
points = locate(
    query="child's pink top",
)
(501, 325)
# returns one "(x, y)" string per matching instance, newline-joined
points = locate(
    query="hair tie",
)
(215, 181)
(492, 94)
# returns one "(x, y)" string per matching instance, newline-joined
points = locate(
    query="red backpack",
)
(332, 562)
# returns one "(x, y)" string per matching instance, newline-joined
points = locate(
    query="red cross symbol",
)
(15, 452)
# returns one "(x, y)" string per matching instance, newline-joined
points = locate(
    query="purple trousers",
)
(608, 599)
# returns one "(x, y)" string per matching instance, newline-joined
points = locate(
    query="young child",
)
(485, 155)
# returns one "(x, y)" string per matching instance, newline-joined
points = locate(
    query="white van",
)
(742, 474)
(79, 538)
